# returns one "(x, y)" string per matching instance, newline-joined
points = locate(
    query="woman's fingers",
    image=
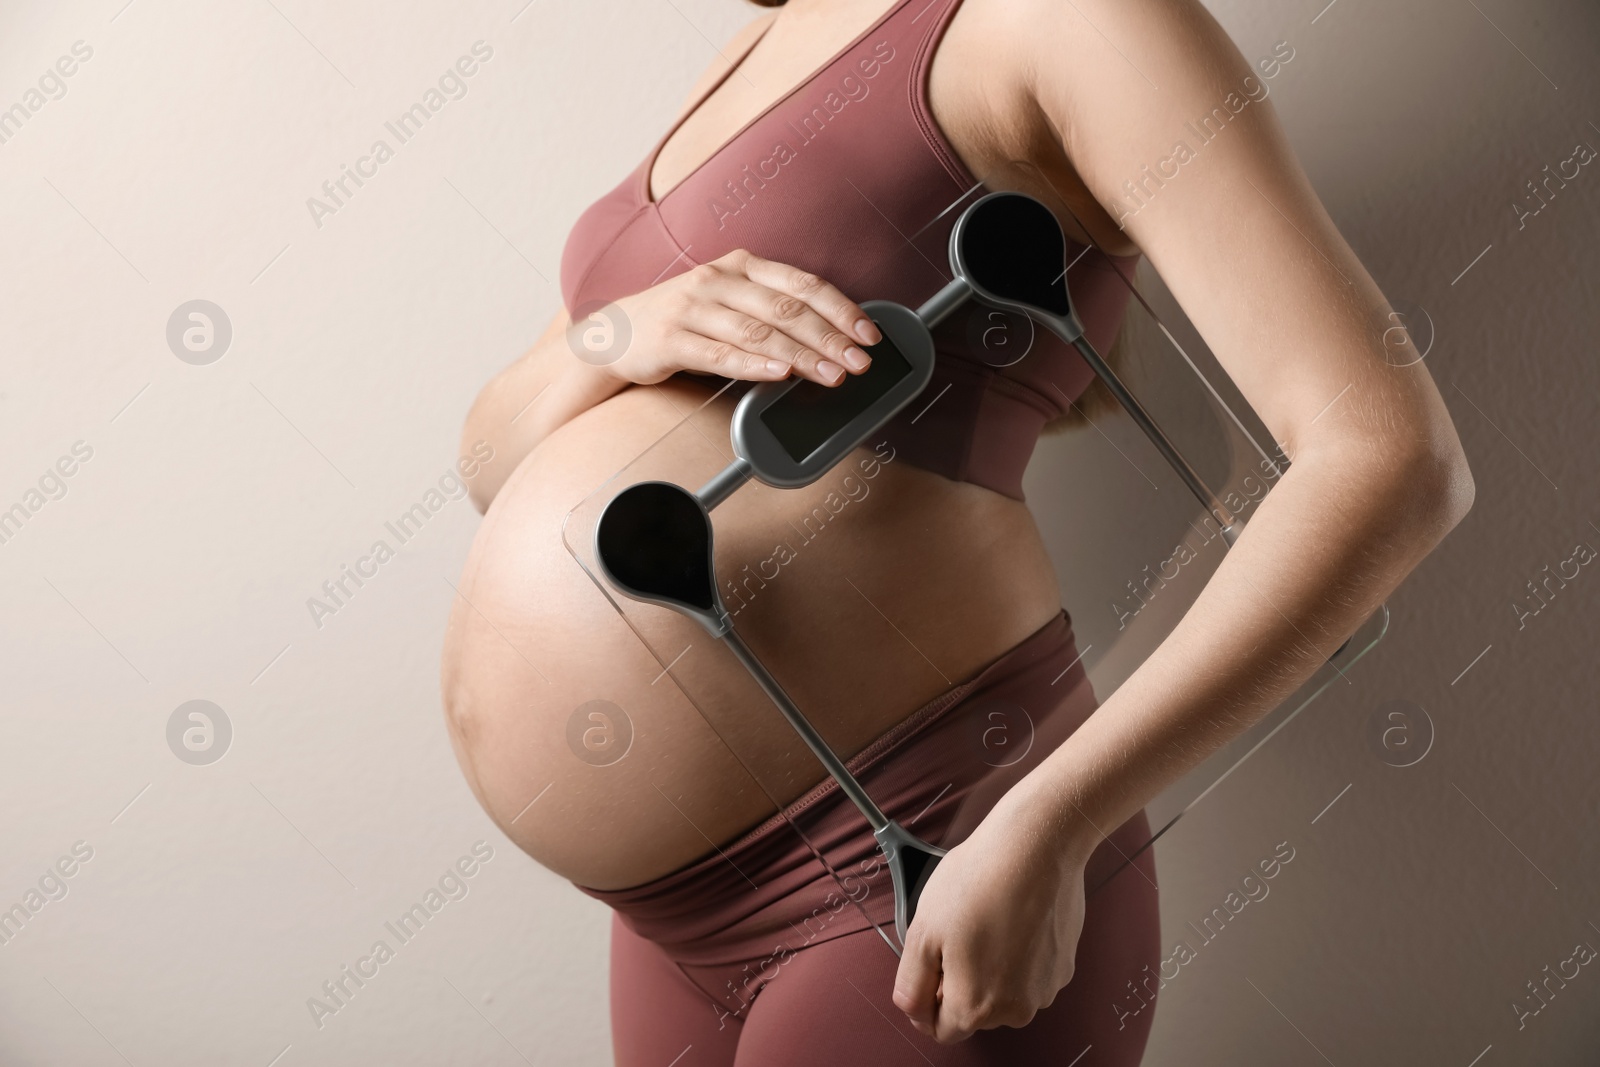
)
(820, 344)
(697, 352)
(742, 316)
(943, 989)
(969, 1004)
(727, 319)
(916, 983)
(810, 309)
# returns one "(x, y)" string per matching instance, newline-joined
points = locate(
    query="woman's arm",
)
(738, 317)
(1378, 476)
(548, 386)
(527, 401)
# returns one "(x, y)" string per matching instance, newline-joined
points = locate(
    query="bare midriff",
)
(867, 594)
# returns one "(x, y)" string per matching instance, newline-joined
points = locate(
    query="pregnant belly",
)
(867, 594)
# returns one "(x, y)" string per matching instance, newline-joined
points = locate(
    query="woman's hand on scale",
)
(742, 316)
(995, 936)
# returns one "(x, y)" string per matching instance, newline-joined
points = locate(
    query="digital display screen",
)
(809, 413)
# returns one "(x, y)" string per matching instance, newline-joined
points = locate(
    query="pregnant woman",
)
(811, 170)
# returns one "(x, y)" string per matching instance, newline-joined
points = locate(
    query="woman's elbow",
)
(1439, 486)
(1414, 488)
(481, 499)
(482, 490)
(478, 455)
(483, 475)
(1459, 491)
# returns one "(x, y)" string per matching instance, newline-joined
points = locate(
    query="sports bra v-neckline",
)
(655, 153)
(848, 175)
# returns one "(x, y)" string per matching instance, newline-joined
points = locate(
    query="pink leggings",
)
(761, 956)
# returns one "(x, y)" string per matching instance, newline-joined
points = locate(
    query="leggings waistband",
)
(812, 870)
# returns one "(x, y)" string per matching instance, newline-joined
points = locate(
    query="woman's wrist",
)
(1051, 814)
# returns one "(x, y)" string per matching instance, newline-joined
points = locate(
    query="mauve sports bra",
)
(849, 177)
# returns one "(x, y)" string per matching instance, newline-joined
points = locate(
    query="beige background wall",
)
(218, 498)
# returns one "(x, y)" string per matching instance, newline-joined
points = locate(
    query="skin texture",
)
(1086, 94)
(530, 638)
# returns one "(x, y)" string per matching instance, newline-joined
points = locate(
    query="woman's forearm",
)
(528, 401)
(1340, 531)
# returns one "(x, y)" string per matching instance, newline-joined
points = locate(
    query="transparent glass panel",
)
(891, 602)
